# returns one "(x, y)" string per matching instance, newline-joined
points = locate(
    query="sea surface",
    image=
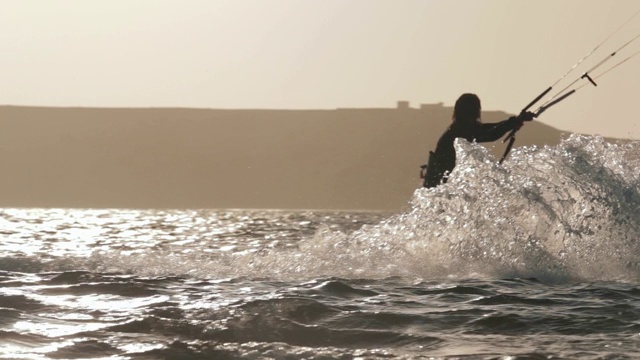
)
(537, 258)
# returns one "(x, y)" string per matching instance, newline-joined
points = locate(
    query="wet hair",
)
(467, 108)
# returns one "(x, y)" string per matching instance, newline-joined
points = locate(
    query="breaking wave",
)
(562, 213)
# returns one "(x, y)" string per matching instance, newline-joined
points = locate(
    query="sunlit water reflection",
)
(534, 259)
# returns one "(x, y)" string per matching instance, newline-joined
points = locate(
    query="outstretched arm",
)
(494, 131)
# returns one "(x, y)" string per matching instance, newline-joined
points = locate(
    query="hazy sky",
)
(320, 54)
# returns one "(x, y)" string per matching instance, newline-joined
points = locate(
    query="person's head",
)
(467, 108)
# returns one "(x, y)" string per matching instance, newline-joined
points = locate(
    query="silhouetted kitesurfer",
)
(466, 124)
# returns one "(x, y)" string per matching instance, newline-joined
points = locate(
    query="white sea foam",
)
(569, 212)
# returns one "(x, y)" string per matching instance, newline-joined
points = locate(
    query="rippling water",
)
(532, 260)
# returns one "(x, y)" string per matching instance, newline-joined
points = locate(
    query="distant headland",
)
(343, 159)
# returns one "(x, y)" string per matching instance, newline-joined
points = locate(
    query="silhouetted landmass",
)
(203, 158)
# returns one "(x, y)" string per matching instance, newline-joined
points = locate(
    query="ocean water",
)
(534, 259)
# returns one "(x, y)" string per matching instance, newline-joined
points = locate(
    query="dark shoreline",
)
(342, 159)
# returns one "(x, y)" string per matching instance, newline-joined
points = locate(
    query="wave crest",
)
(555, 213)
(567, 212)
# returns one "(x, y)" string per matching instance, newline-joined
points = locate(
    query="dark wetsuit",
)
(443, 160)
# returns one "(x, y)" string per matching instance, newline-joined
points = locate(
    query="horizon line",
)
(401, 106)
